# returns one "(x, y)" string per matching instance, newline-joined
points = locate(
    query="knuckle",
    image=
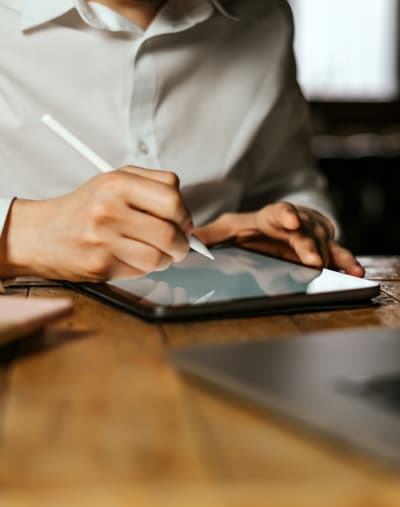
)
(169, 236)
(171, 178)
(310, 244)
(155, 260)
(306, 218)
(284, 206)
(321, 232)
(110, 182)
(91, 237)
(173, 202)
(99, 212)
(182, 252)
(165, 264)
(98, 267)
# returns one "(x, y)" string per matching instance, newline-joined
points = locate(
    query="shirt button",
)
(143, 148)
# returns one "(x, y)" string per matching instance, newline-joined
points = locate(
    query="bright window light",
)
(347, 49)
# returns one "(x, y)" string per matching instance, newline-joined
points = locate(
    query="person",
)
(196, 105)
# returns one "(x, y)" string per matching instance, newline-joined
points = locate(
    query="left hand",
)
(293, 232)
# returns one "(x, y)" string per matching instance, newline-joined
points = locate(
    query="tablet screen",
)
(234, 274)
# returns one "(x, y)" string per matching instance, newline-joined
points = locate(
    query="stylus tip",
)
(200, 247)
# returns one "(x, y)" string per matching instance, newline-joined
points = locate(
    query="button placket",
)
(143, 147)
(143, 139)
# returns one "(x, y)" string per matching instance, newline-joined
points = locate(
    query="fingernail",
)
(360, 271)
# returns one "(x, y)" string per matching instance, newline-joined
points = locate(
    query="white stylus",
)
(104, 167)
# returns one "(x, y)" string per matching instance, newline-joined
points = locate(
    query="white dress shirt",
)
(208, 91)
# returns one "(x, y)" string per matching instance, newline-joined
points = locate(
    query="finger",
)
(140, 256)
(163, 235)
(323, 247)
(154, 197)
(319, 235)
(280, 215)
(226, 227)
(272, 221)
(122, 271)
(309, 216)
(306, 249)
(342, 259)
(167, 177)
(316, 227)
(276, 248)
(319, 218)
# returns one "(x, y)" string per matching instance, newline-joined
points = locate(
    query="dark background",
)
(358, 149)
(357, 145)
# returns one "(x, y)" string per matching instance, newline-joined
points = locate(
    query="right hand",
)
(122, 224)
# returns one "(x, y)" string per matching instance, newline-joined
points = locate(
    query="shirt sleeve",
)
(280, 159)
(5, 204)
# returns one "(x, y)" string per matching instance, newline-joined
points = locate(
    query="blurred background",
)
(348, 54)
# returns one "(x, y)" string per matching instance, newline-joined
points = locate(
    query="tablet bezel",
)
(264, 305)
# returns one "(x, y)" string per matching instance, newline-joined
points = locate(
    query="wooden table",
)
(92, 414)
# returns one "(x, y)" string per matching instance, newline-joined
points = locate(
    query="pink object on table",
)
(20, 315)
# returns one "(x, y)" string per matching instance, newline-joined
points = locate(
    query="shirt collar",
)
(38, 12)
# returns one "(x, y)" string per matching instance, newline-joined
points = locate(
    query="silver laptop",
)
(344, 384)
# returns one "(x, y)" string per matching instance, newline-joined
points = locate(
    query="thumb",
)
(227, 226)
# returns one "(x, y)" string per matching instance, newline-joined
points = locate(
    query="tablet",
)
(237, 283)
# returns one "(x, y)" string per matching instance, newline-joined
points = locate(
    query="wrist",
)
(17, 239)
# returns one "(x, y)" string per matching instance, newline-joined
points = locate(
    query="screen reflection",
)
(234, 274)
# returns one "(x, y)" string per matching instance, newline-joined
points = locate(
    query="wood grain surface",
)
(91, 414)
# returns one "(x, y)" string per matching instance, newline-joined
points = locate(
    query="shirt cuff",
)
(5, 204)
